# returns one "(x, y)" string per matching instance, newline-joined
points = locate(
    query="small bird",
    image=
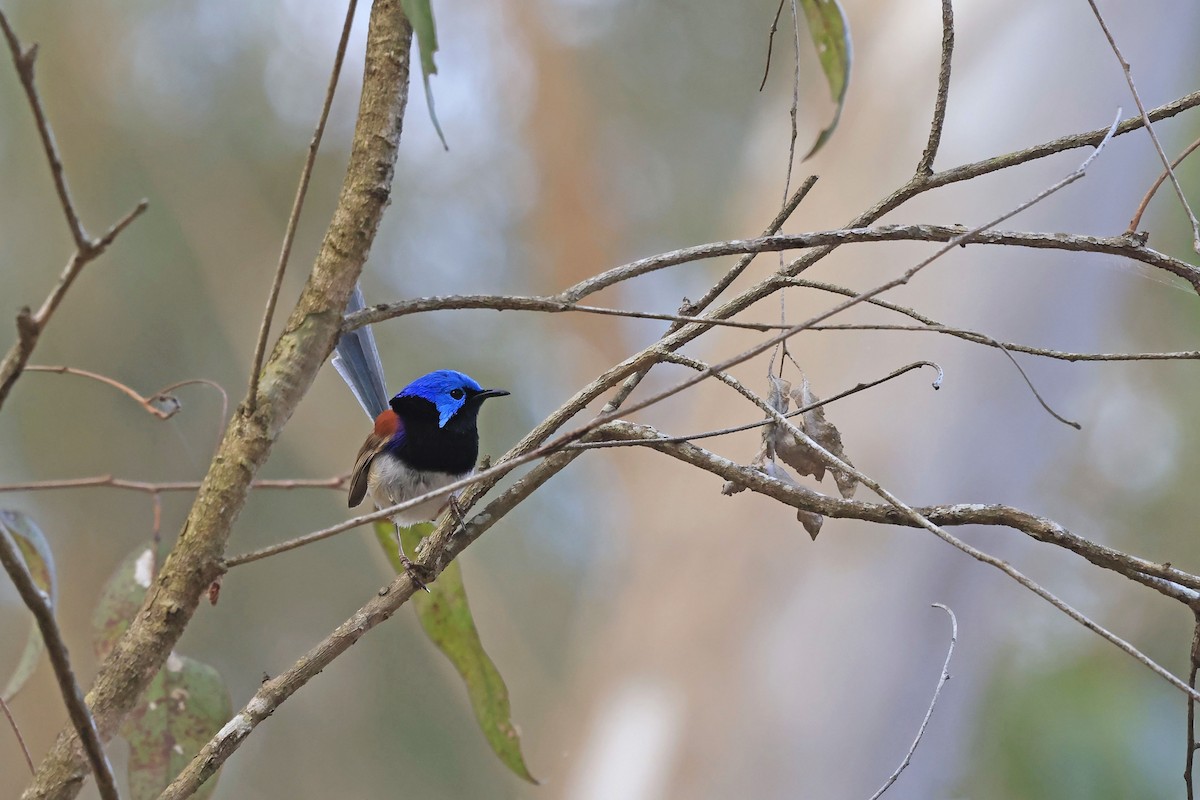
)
(425, 437)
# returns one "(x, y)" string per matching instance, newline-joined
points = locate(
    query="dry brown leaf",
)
(802, 457)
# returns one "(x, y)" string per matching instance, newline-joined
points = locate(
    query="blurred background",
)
(658, 639)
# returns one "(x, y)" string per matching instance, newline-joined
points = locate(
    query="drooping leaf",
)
(121, 598)
(35, 550)
(446, 617)
(830, 33)
(420, 14)
(184, 706)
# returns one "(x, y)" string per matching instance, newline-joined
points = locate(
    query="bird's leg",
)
(457, 510)
(413, 569)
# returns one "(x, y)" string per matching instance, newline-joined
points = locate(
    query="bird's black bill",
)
(486, 393)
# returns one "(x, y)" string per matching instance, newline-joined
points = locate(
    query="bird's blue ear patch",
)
(441, 388)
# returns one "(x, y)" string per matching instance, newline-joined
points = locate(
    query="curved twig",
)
(942, 679)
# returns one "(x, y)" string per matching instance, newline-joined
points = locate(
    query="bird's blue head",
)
(449, 391)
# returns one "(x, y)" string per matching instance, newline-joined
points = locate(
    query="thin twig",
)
(942, 679)
(930, 325)
(771, 44)
(160, 404)
(714, 291)
(81, 716)
(31, 325)
(1149, 127)
(24, 60)
(289, 236)
(925, 166)
(109, 482)
(1190, 759)
(17, 730)
(1136, 221)
(569, 300)
(601, 444)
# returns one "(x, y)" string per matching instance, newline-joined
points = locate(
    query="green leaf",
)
(121, 598)
(184, 706)
(39, 561)
(830, 34)
(420, 14)
(446, 617)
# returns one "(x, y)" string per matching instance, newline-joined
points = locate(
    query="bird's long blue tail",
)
(356, 358)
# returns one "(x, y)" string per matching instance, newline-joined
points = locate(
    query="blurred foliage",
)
(1074, 729)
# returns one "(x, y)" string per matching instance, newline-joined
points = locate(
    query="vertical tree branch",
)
(305, 343)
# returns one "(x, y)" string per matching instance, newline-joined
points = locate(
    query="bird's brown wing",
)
(362, 468)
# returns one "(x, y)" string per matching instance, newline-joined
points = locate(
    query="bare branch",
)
(933, 326)
(24, 60)
(1136, 221)
(109, 482)
(289, 236)
(1190, 760)
(942, 679)
(598, 444)
(1149, 127)
(81, 716)
(925, 166)
(30, 326)
(771, 44)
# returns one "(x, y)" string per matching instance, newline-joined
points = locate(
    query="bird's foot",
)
(457, 511)
(418, 574)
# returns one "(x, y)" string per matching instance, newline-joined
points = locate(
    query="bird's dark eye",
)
(457, 394)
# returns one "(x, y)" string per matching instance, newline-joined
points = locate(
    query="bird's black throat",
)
(453, 448)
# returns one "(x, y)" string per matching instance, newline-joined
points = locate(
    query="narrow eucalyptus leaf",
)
(446, 617)
(830, 33)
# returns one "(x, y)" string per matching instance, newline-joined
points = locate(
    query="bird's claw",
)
(417, 573)
(456, 510)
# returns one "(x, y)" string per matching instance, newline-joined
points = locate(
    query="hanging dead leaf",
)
(801, 456)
